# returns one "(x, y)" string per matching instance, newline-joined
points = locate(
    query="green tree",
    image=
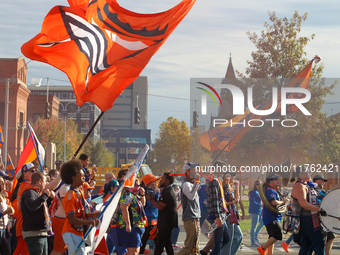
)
(99, 155)
(281, 54)
(53, 130)
(198, 154)
(173, 142)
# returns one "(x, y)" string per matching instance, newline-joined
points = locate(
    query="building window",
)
(122, 150)
(132, 140)
(112, 149)
(64, 95)
(86, 109)
(134, 150)
(71, 108)
(36, 116)
(85, 123)
(112, 140)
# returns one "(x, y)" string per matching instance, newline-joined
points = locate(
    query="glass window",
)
(112, 139)
(71, 108)
(134, 150)
(85, 109)
(85, 123)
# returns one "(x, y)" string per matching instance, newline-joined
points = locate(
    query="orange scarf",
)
(224, 204)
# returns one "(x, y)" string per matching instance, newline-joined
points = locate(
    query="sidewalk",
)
(246, 248)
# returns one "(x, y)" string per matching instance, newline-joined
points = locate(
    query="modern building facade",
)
(121, 135)
(121, 115)
(126, 144)
(117, 128)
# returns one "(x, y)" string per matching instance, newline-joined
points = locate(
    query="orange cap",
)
(150, 178)
(87, 186)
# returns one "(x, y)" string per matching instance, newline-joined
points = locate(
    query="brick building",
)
(15, 70)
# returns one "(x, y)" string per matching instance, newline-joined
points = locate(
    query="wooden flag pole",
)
(87, 135)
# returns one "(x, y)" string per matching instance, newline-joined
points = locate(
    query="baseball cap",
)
(25, 168)
(87, 186)
(319, 177)
(272, 177)
(4, 175)
(148, 178)
(189, 166)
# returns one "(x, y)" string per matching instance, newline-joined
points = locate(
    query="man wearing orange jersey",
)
(75, 206)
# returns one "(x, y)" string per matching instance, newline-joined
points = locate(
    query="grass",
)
(246, 224)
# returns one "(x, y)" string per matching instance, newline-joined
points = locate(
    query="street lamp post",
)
(6, 123)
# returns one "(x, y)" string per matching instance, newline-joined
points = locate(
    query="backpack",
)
(291, 222)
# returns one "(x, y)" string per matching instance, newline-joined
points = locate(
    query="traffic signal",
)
(137, 115)
(47, 110)
(195, 119)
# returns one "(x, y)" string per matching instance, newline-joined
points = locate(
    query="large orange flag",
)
(101, 46)
(226, 136)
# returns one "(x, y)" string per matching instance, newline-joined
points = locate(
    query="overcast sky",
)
(199, 47)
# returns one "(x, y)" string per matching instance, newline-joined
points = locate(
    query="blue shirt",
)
(255, 205)
(150, 210)
(268, 215)
(203, 193)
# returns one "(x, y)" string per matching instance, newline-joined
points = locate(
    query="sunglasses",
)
(32, 170)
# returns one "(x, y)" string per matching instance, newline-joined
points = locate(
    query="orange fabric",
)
(57, 225)
(101, 190)
(227, 135)
(27, 155)
(1, 137)
(72, 205)
(23, 186)
(21, 247)
(102, 248)
(118, 48)
(153, 233)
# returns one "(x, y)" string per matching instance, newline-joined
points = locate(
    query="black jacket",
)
(32, 209)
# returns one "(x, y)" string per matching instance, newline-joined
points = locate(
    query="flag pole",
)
(219, 154)
(87, 135)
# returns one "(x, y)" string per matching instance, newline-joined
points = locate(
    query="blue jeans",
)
(255, 219)
(290, 239)
(236, 237)
(5, 248)
(37, 245)
(204, 215)
(310, 241)
(174, 235)
(221, 238)
(112, 243)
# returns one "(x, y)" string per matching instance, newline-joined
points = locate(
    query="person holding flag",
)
(74, 205)
(132, 220)
(217, 213)
(36, 224)
(24, 180)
